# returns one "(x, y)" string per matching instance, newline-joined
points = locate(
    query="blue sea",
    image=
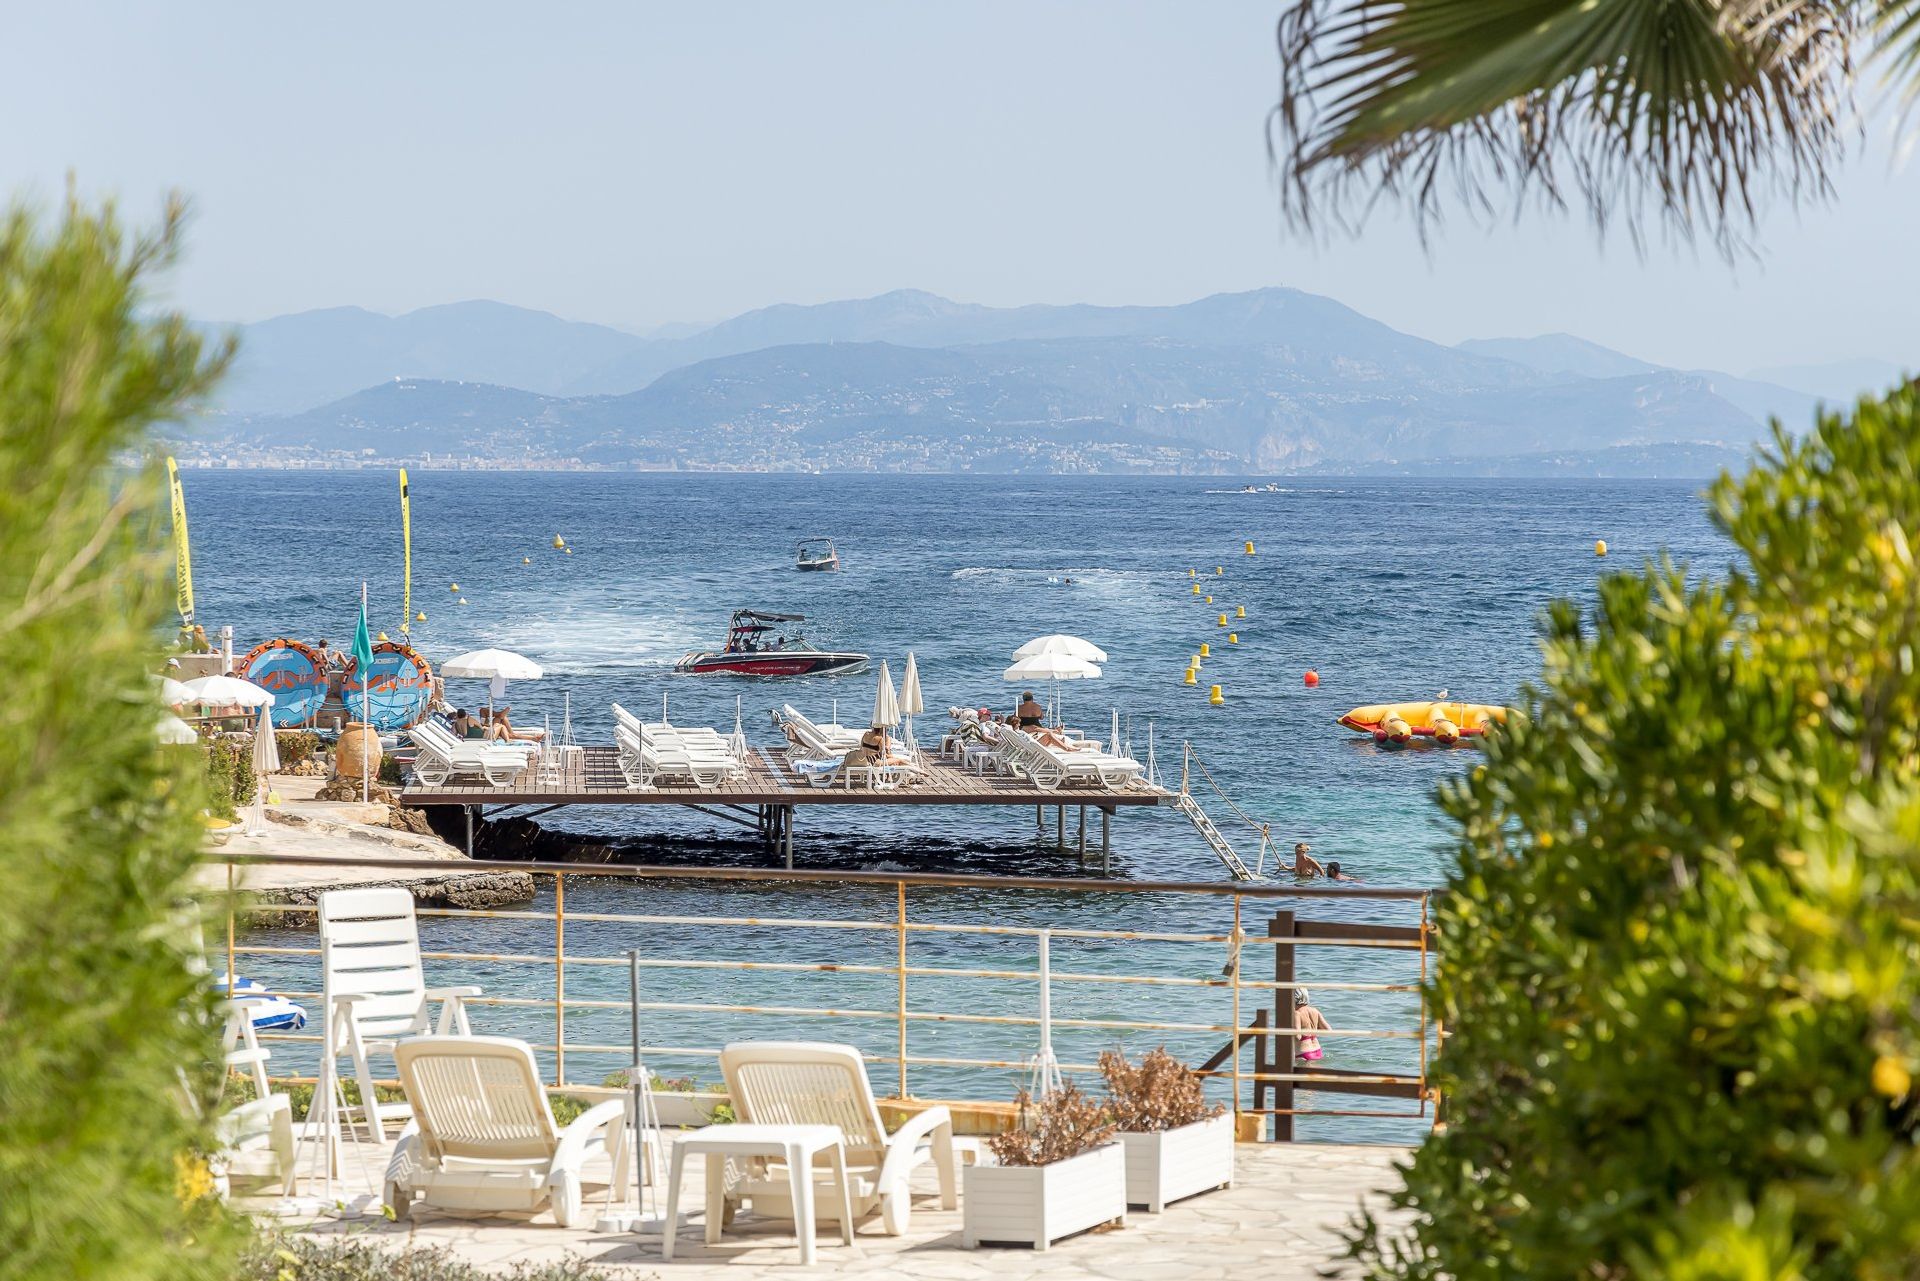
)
(1388, 589)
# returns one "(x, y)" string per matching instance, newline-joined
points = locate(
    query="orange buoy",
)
(1311, 679)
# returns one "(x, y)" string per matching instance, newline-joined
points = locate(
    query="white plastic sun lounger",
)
(483, 1135)
(648, 758)
(443, 757)
(816, 1083)
(1050, 767)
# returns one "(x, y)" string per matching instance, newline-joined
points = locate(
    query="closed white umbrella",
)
(1060, 643)
(266, 760)
(1055, 667)
(496, 667)
(886, 702)
(910, 701)
(175, 730)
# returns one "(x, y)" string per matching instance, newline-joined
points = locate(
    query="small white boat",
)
(816, 555)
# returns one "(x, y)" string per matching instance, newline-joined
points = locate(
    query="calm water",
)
(1389, 589)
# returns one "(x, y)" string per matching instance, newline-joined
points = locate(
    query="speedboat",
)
(816, 554)
(760, 644)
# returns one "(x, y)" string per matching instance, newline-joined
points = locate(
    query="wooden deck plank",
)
(596, 780)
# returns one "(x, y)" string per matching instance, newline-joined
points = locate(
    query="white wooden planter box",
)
(1039, 1204)
(1165, 1165)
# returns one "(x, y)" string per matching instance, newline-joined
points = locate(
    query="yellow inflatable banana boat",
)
(1397, 724)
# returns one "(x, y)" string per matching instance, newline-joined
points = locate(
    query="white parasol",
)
(886, 703)
(1059, 643)
(496, 667)
(911, 703)
(266, 760)
(175, 730)
(1054, 667)
(173, 693)
(226, 691)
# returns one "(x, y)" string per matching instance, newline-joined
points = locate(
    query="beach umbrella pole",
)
(643, 1118)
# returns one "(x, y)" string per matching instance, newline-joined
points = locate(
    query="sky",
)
(641, 164)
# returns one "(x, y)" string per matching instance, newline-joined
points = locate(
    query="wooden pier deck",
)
(594, 779)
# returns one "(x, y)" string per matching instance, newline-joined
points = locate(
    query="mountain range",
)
(1268, 380)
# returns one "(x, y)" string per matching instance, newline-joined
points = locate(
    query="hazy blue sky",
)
(637, 164)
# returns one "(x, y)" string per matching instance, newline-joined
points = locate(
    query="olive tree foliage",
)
(1682, 934)
(103, 1027)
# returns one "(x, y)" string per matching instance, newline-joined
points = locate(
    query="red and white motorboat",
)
(760, 644)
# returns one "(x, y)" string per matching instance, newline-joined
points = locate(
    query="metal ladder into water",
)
(1187, 805)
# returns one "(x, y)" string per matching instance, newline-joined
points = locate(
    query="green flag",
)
(363, 647)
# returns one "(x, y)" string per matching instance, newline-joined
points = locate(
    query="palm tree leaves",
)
(1688, 114)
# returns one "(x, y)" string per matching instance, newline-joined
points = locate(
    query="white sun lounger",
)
(1050, 767)
(483, 1135)
(816, 1083)
(443, 758)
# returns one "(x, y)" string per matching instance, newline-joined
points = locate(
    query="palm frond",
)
(1688, 114)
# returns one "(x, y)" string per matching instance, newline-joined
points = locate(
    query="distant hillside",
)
(294, 363)
(1081, 404)
(1564, 355)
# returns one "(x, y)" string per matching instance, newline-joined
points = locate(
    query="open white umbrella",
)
(266, 760)
(496, 667)
(1059, 643)
(175, 730)
(173, 693)
(226, 691)
(886, 702)
(911, 703)
(1054, 667)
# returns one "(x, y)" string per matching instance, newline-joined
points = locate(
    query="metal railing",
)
(1222, 1000)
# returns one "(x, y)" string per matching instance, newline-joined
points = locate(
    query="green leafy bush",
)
(230, 777)
(296, 746)
(304, 1259)
(100, 1013)
(1682, 939)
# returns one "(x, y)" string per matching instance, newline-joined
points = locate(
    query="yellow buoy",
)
(1215, 697)
(1205, 652)
(454, 588)
(526, 560)
(405, 628)
(1233, 638)
(1219, 569)
(382, 636)
(1239, 611)
(1223, 620)
(1193, 573)
(1209, 600)
(1191, 678)
(1600, 547)
(1196, 589)
(420, 617)
(569, 551)
(559, 541)
(1249, 549)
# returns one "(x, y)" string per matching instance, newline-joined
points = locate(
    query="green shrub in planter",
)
(230, 776)
(296, 746)
(1681, 940)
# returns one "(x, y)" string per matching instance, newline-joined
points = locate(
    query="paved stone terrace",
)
(1281, 1220)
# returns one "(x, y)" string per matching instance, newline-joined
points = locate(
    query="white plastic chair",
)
(373, 987)
(256, 1138)
(483, 1135)
(817, 1083)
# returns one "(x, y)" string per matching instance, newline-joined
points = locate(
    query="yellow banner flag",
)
(182, 556)
(406, 546)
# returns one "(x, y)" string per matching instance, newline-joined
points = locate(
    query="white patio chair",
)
(256, 1137)
(817, 1083)
(373, 987)
(483, 1135)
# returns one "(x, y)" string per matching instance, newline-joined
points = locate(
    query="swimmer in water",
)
(1304, 863)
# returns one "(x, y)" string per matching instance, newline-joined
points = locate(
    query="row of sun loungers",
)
(656, 754)
(830, 755)
(442, 757)
(989, 746)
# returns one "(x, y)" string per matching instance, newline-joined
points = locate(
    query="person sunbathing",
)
(503, 729)
(1031, 714)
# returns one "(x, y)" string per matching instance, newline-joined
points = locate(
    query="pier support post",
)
(786, 824)
(1106, 839)
(1083, 836)
(1283, 1058)
(1060, 828)
(469, 810)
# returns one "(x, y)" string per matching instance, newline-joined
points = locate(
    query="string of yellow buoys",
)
(1216, 695)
